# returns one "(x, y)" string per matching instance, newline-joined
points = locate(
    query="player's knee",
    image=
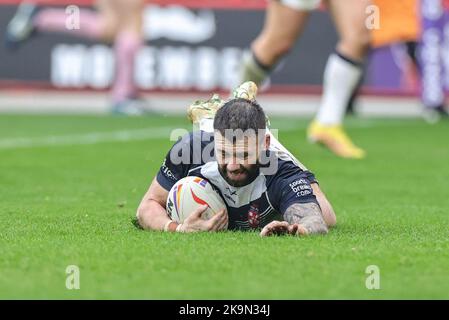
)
(356, 44)
(283, 48)
(272, 49)
(364, 39)
(280, 46)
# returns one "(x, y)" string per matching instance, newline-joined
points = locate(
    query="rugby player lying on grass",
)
(280, 198)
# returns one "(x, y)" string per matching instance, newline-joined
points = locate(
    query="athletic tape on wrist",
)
(167, 224)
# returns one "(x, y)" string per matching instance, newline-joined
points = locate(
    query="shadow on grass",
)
(135, 223)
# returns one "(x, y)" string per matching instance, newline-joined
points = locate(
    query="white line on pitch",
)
(145, 134)
(86, 138)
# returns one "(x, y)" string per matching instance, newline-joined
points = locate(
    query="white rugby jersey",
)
(251, 206)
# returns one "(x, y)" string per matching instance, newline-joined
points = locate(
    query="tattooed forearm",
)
(308, 215)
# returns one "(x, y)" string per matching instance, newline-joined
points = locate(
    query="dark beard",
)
(251, 174)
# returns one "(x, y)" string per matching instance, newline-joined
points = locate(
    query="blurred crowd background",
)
(194, 46)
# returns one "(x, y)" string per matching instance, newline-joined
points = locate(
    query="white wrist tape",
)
(167, 224)
(178, 228)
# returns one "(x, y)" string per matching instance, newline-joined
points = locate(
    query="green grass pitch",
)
(70, 185)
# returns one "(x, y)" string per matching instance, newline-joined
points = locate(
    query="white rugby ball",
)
(188, 194)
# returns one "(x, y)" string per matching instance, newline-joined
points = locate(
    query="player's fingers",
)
(216, 219)
(220, 215)
(272, 224)
(223, 220)
(279, 225)
(301, 231)
(266, 231)
(199, 211)
(282, 224)
(274, 227)
(285, 226)
(214, 225)
(223, 225)
(280, 228)
(292, 229)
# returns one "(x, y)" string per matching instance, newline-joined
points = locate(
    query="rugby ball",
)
(188, 194)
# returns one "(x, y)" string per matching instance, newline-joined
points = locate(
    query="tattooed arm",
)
(297, 196)
(305, 218)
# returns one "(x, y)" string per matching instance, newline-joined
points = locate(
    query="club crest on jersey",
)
(253, 216)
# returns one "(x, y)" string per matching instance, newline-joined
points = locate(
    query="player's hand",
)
(297, 229)
(275, 228)
(219, 221)
(195, 222)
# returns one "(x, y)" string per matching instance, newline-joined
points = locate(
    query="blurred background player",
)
(114, 21)
(400, 30)
(434, 17)
(284, 22)
(417, 33)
